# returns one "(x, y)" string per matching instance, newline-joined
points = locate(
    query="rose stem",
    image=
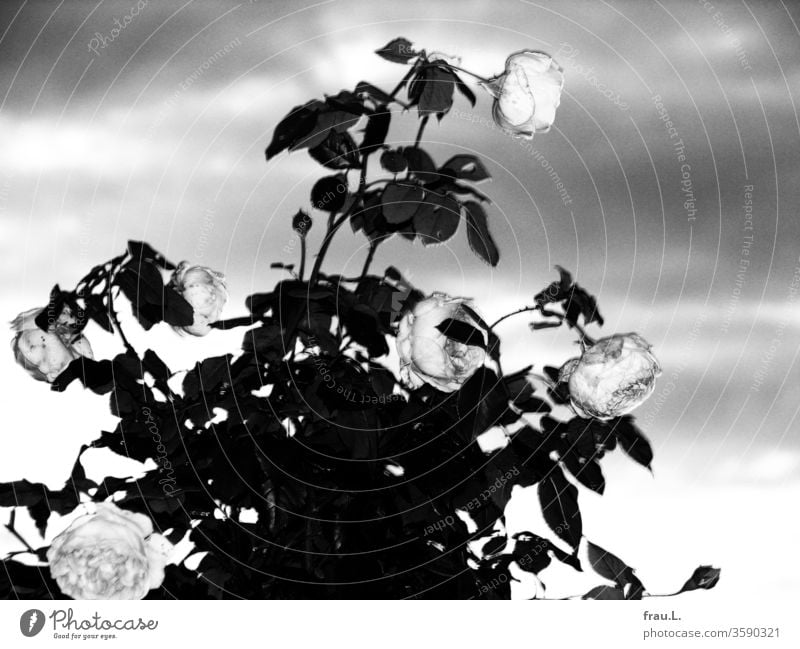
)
(584, 336)
(423, 123)
(10, 527)
(373, 245)
(302, 257)
(334, 225)
(472, 74)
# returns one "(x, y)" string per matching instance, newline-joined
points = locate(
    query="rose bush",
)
(110, 554)
(429, 356)
(45, 354)
(527, 93)
(205, 290)
(297, 467)
(612, 377)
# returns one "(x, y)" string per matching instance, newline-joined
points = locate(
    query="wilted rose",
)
(612, 377)
(427, 355)
(111, 554)
(205, 290)
(45, 354)
(527, 93)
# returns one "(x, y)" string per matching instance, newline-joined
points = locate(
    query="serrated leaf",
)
(608, 565)
(400, 201)
(559, 501)
(437, 218)
(478, 235)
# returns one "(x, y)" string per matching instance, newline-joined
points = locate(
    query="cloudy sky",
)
(156, 131)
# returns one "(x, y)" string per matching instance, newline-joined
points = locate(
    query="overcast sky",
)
(148, 132)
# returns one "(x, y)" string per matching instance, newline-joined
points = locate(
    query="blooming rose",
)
(527, 94)
(612, 377)
(205, 290)
(45, 354)
(112, 554)
(427, 355)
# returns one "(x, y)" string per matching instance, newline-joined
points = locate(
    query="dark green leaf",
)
(462, 332)
(336, 151)
(377, 130)
(400, 201)
(297, 124)
(399, 50)
(559, 501)
(393, 161)
(704, 577)
(633, 442)
(604, 592)
(465, 167)
(437, 218)
(478, 235)
(330, 193)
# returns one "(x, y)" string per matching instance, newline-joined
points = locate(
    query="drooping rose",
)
(45, 354)
(427, 355)
(612, 377)
(527, 93)
(111, 554)
(205, 290)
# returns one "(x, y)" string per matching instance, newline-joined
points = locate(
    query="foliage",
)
(356, 483)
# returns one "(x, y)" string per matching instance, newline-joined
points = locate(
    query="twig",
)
(585, 338)
(373, 246)
(423, 123)
(10, 527)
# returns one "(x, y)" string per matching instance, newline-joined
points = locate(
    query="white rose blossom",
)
(110, 554)
(205, 290)
(46, 354)
(427, 355)
(612, 377)
(527, 93)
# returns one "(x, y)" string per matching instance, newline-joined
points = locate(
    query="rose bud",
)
(111, 554)
(45, 354)
(429, 356)
(527, 94)
(205, 290)
(612, 377)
